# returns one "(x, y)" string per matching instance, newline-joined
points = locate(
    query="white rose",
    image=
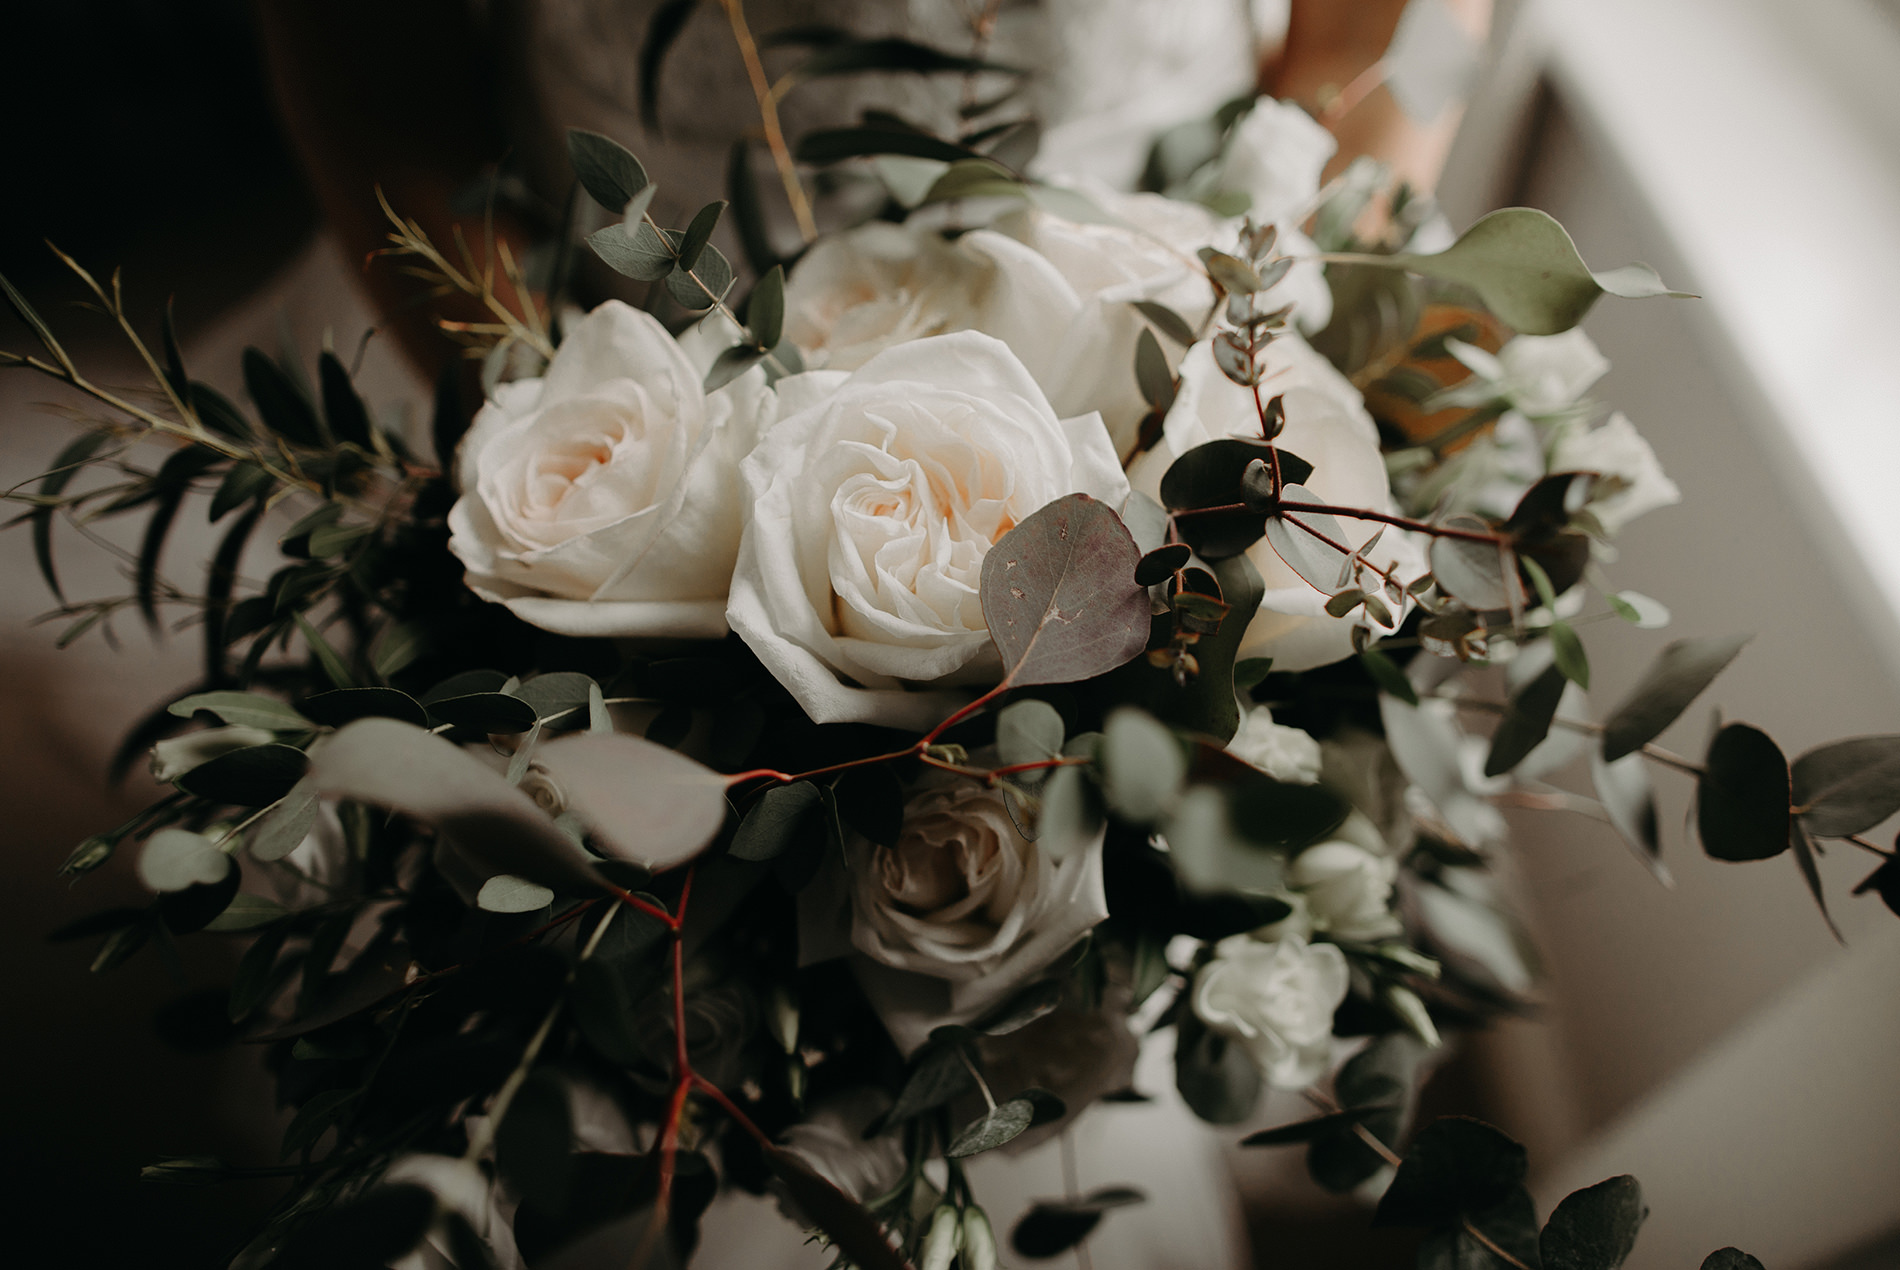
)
(831, 1140)
(1547, 374)
(1616, 450)
(857, 293)
(1286, 754)
(601, 499)
(964, 912)
(1347, 889)
(870, 512)
(1146, 252)
(1274, 155)
(1277, 999)
(175, 756)
(1327, 425)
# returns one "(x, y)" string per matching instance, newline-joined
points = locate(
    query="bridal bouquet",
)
(801, 732)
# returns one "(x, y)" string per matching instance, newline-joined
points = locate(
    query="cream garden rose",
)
(964, 908)
(602, 499)
(1327, 425)
(1277, 998)
(871, 505)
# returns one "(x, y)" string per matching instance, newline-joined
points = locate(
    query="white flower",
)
(1274, 154)
(965, 907)
(601, 499)
(1327, 425)
(870, 512)
(1145, 250)
(1347, 889)
(177, 755)
(831, 1140)
(1286, 754)
(1546, 374)
(1615, 450)
(857, 293)
(1277, 999)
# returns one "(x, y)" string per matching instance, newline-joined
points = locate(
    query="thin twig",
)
(763, 92)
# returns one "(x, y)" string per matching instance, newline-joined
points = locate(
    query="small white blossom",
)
(1287, 754)
(1277, 999)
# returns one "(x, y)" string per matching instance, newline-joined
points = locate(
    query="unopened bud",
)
(979, 1241)
(1412, 1012)
(943, 1240)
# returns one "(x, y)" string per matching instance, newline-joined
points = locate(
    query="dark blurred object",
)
(140, 134)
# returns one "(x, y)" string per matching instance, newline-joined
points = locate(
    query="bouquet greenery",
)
(1036, 612)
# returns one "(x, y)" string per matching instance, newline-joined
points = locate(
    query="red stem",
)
(682, 1065)
(1039, 764)
(931, 736)
(731, 1109)
(1424, 527)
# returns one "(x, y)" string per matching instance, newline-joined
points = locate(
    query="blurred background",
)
(1712, 1039)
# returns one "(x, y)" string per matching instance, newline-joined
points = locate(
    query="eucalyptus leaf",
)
(1730, 1259)
(1295, 539)
(1167, 321)
(1152, 375)
(1802, 845)
(1029, 731)
(1742, 797)
(640, 252)
(1070, 818)
(1594, 1228)
(765, 309)
(732, 363)
(505, 893)
(246, 913)
(284, 828)
(781, 816)
(1526, 270)
(699, 232)
(1676, 678)
(1567, 652)
(246, 709)
(644, 802)
(1143, 766)
(1478, 573)
(1623, 788)
(1060, 597)
(1526, 722)
(704, 283)
(391, 764)
(346, 705)
(1216, 1076)
(496, 713)
(174, 859)
(607, 170)
(255, 776)
(1005, 1123)
(1455, 1168)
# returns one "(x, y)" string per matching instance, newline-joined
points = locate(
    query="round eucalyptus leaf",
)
(1742, 797)
(1594, 1228)
(174, 859)
(1143, 766)
(1848, 786)
(505, 893)
(1028, 732)
(1060, 597)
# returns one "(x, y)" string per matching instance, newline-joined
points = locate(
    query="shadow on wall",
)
(139, 134)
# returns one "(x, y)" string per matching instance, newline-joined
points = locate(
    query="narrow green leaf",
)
(255, 971)
(1802, 844)
(241, 484)
(765, 311)
(339, 706)
(1152, 375)
(342, 407)
(1567, 651)
(1167, 321)
(333, 666)
(170, 486)
(1003, 1124)
(216, 412)
(66, 466)
(246, 709)
(284, 409)
(730, 364)
(663, 29)
(396, 646)
(34, 322)
(286, 826)
(246, 913)
(1676, 678)
(255, 776)
(1526, 723)
(175, 375)
(1386, 674)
